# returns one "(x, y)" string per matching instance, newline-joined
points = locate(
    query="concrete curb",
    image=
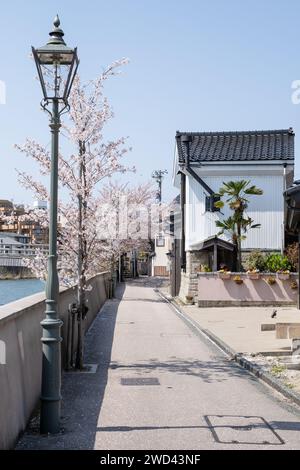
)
(237, 357)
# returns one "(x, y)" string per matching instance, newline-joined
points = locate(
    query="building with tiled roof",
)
(203, 161)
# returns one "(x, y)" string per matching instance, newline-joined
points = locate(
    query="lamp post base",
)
(51, 376)
(50, 415)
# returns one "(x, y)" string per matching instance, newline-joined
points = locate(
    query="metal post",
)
(51, 339)
(172, 270)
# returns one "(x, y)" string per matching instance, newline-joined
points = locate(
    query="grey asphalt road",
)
(159, 385)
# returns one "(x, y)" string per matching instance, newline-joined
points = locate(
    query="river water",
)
(11, 290)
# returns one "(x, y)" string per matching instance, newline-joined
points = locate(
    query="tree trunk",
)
(81, 259)
(235, 258)
(239, 249)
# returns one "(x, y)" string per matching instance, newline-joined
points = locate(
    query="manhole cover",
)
(139, 381)
(242, 430)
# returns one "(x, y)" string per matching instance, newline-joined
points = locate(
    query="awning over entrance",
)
(221, 250)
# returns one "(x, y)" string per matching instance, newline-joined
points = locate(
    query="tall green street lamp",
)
(57, 66)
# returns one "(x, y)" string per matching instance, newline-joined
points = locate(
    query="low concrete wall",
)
(216, 292)
(21, 353)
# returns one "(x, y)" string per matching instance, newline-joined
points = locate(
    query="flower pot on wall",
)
(271, 280)
(224, 275)
(238, 280)
(253, 276)
(294, 285)
(189, 300)
(283, 276)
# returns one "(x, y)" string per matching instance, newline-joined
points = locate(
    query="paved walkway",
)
(160, 386)
(240, 327)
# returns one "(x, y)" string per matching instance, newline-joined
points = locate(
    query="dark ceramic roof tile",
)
(238, 146)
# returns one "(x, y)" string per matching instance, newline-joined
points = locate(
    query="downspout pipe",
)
(182, 209)
(185, 139)
(284, 176)
(284, 209)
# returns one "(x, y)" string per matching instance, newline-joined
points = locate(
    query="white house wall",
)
(160, 258)
(266, 209)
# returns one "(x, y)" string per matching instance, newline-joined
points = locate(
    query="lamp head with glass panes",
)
(56, 65)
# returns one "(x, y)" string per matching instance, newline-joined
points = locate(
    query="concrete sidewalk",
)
(240, 327)
(159, 385)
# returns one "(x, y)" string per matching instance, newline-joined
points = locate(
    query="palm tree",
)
(238, 223)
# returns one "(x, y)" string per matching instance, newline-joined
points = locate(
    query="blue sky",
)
(194, 65)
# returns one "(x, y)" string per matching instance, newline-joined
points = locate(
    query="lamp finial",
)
(56, 35)
(56, 21)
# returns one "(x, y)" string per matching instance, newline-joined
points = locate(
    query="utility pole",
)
(158, 175)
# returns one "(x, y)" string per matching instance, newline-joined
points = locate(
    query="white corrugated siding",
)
(266, 210)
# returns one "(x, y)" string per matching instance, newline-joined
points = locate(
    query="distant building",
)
(15, 219)
(160, 260)
(12, 243)
(15, 237)
(40, 205)
(6, 207)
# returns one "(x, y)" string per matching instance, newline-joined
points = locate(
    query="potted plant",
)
(224, 274)
(238, 280)
(253, 274)
(283, 275)
(189, 300)
(271, 280)
(205, 268)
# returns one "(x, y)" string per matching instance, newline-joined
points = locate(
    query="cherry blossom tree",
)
(126, 218)
(80, 175)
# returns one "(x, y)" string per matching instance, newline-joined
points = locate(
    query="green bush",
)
(268, 263)
(256, 260)
(276, 262)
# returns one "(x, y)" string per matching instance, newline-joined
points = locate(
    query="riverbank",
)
(11, 277)
(15, 273)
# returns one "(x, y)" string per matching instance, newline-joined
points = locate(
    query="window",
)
(210, 203)
(160, 241)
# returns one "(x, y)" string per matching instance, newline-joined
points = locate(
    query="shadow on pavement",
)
(148, 281)
(82, 393)
(218, 370)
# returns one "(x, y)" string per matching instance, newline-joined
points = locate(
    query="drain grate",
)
(139, 381)
(242, 430)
